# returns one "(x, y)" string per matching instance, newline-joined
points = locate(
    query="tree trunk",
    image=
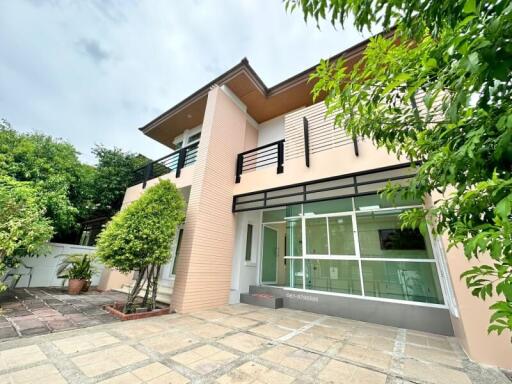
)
(155, 288)
(135, 290)
(149, 279)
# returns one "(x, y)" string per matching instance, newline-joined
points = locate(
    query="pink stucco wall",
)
(203, 270)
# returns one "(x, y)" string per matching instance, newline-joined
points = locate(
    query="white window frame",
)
(438, 251)
(185, 136)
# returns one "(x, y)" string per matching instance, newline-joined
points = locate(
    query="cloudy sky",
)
(94, 71)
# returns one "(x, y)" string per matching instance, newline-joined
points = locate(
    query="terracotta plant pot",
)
(75, 286)
(87, 285)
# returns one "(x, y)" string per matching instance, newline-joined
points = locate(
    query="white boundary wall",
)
(45, 267)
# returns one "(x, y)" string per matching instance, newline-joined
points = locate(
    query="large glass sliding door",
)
(355, 246)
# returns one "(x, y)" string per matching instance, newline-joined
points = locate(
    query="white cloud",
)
(94, 71)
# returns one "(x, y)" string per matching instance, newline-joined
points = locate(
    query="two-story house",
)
(282, 209)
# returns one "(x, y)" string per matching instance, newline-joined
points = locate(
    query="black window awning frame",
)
(348, 185)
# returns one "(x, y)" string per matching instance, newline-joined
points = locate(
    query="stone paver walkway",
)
(36, 311)
(240, 344)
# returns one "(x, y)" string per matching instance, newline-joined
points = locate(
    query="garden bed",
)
(116, 310)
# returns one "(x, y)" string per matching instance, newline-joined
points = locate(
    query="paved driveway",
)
(240, 344)
(36, 311)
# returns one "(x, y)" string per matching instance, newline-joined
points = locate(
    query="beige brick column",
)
(203, 270)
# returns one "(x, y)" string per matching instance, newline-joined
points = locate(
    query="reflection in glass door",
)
(269, 259)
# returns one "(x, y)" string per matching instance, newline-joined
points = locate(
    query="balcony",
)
(172, 163)
(313, 148)
(257, 158)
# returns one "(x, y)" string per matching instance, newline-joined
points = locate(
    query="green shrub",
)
(139, 237)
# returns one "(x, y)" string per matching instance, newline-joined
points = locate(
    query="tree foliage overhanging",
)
(69, 190)
(439, 92)
(24, 229)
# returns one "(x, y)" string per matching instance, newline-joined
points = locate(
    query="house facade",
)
(282, 207)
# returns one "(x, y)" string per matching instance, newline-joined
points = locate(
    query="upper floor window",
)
(194, 138)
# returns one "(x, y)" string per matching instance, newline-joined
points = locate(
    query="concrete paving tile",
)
(140, 329)
(326, 331)
(170, 343)
(367, 356)
(252, 373)
(35, 331)
(17, 357)
(270, 331)
(235, 309)
(60, 325)
(433, 373)
(125, 378)
(371, 341)
(100, 362)
(151, 371)
(43, 374)
(169, 378)
(316, 343)
(433, 355)
(428, 340)
(289, 323)
(209, 315)
(237, 322)
(338, 372)
(290, 357)
(262, 316)
(85, 343)
(209, 331)
(204, 359)
(8, 332)
(243, 342)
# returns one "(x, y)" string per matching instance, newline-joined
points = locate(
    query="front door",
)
(269, 259)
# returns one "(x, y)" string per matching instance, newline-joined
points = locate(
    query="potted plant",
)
(78, 270)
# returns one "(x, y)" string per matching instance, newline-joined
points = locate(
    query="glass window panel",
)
(316, 236)
(195, 137)
(341, 235)
(380, 236)
(293, 237)
(294, 275)
(330, 206)
(370, 202)
(248, 243)
(341, 276)
(293, 210)
(274, 215)
(411, 281)
(348, 191)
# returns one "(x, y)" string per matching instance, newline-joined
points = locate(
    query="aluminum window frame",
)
(448, 302)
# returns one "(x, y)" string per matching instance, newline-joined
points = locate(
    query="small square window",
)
(248, 243)
(194, 138)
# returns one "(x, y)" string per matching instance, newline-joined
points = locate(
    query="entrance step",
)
(266, 300)
(264, 289)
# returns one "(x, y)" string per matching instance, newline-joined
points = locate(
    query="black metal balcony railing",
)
(176, 161)
(268, 154)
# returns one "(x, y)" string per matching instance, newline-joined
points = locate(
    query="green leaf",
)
(470, 6)
(503, 207)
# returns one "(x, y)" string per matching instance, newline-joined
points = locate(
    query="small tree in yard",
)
(24, 229)
(139, 239)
